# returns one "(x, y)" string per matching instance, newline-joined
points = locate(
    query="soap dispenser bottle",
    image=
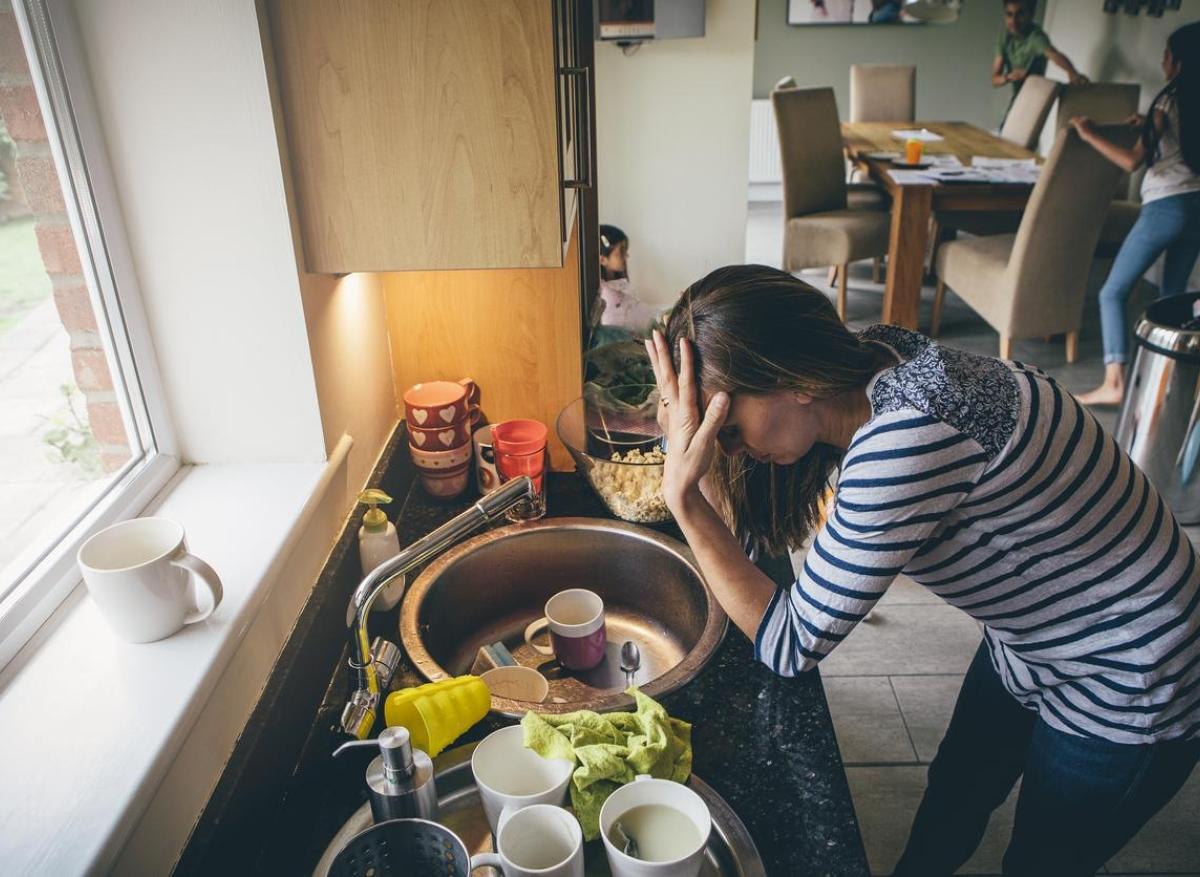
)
(377, 542)
(400, 779)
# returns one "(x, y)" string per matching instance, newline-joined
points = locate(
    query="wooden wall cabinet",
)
(433, 134)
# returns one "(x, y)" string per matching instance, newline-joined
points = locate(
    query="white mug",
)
(644, 790)
(537, 841)
(139, 573)
(487, 478)
(511, 777)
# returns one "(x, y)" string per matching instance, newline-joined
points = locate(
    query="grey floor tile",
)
(903, 640)
(885, 799)
(1170, 841)
(926, 703)
(867, 720)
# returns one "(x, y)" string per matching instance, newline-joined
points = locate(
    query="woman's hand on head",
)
(691, 439)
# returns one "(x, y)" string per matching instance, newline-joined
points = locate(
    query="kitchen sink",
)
(489, 588)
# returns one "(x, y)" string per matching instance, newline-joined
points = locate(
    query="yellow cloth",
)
(611, 749)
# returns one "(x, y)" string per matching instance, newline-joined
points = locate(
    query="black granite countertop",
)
(763, 742)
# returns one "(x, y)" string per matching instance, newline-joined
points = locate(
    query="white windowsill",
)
(90, 724)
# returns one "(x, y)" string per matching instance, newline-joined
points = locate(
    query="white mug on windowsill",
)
(139, 572)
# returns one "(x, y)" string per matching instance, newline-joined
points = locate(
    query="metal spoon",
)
(631, 660)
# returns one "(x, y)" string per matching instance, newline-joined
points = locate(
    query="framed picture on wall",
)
(804, 12)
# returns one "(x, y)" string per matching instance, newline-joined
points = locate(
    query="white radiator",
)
(764, 144)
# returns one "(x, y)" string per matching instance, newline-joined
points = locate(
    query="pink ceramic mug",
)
(577, 633)
(455, 435)
(437, 404)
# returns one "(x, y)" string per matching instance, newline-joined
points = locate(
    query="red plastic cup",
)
(520, 448)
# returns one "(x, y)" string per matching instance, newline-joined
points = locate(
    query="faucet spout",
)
(359, 715)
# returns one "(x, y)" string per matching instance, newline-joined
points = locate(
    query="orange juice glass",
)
(912, 151)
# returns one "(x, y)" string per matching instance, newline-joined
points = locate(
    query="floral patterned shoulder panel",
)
(977, 395)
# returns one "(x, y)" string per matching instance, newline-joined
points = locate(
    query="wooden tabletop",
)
(961, 139)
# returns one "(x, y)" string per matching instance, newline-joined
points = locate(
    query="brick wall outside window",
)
(38, 192)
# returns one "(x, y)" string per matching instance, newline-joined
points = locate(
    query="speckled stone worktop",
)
(765, 743)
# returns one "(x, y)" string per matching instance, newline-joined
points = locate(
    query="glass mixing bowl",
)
(614, 437)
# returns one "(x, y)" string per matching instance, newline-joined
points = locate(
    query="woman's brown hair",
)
(757, 330)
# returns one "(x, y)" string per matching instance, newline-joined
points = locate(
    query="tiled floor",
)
(891, 691)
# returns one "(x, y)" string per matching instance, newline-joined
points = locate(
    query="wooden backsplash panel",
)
(515, 331)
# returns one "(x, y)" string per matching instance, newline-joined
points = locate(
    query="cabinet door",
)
(421, 134)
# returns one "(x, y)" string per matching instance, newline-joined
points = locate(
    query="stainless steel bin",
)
(1159, 425)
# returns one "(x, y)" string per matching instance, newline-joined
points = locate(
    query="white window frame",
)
(68, 108)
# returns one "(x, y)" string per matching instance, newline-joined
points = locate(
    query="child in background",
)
(1169, 221)
(1023, 48)
(622, 309)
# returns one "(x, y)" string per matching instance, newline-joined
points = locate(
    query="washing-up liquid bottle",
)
(377, 542)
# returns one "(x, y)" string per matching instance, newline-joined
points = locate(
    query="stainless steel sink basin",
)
(491, 587)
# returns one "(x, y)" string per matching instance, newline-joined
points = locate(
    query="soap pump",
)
(378, 542)
(400, 779)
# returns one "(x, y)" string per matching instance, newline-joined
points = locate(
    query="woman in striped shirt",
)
(986, 483)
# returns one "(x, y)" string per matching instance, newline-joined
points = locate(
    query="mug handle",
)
(483, 860)
(532, 630)
(208, 576)
(473, 396)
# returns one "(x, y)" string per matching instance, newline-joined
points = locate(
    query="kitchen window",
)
(84, 439)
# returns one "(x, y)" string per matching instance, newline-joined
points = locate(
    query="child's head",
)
(1018, 15)
(614, 253)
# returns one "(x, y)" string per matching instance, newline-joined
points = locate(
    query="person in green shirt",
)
(1023, 49)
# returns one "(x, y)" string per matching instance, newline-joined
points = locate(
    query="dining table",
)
(915, 200)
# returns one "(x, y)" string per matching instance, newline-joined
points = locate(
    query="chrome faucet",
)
(358, 718)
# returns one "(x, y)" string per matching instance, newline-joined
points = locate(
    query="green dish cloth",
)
(611, 750)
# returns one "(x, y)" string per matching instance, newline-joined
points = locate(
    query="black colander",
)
(403, 848)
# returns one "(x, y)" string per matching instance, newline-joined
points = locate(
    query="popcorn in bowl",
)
(614, 438)
(630, 485)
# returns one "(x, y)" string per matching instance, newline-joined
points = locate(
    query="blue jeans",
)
(1170, 225)
(1081, 798)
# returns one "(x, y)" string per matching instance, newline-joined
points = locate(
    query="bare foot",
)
(1105, 394)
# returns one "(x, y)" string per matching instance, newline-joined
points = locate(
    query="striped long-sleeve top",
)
(988, 484)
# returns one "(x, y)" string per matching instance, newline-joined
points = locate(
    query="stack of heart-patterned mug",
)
(441, 416)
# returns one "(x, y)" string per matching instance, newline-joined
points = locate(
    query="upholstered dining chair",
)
(883, 92)
(1106, 103)
(1022, 126)
(823, 223)
(1029, 111)
(1032, 283)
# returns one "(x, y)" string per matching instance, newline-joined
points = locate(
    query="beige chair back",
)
(1052, 253)
(1029, 111)
(810, 151)
(1106, 103)
(883, 93)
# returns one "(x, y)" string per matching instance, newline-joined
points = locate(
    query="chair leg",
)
(875, 269)
(939, 296)
(1072, 346)
(832, 279)
(843, 273)
(1006, 343)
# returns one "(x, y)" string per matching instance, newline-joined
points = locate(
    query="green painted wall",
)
(953, 61)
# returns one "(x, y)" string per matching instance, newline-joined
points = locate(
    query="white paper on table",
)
(911, 178)
(922, 134)
(988, 161)
(943, 161)
(959, 175)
